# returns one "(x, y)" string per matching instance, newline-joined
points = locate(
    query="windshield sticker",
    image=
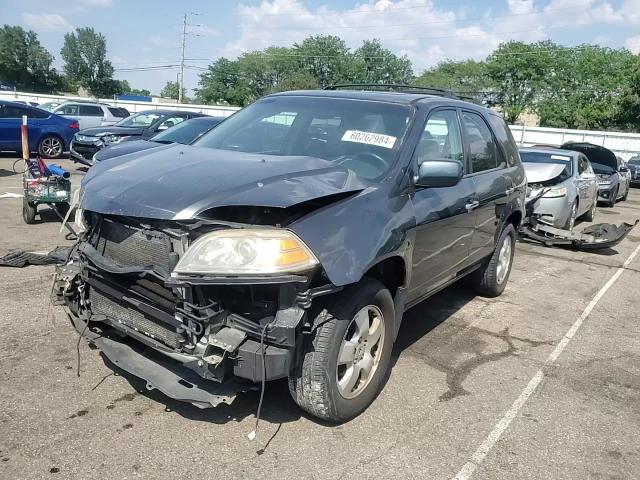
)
(560, 157)
(386, 141)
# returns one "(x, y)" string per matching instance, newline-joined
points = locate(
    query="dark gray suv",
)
(288, 242)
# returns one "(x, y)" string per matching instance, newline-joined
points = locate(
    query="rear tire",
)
(51, 146)
(346, 357)
(491, 278)
(29, 211)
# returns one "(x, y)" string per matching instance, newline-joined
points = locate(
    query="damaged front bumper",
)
(196, 339)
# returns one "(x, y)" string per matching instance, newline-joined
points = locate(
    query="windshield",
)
(186, 132)
(634, 161)
(363, 136)
(142, 119)
(549, 158)
(602, 169)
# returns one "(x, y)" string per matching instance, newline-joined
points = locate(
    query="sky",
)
(148, 33)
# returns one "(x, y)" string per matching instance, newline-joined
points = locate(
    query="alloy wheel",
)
(360, 351)
(504, 259)
(51, 147)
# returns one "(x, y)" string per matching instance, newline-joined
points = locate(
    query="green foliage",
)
(316, 62)
(24, 62)
(85, 55)
(172, 90)
(629, 107)
(465, 77)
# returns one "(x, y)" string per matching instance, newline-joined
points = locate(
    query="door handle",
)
(472, 205)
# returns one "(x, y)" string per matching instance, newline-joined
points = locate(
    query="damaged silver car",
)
(569, 183)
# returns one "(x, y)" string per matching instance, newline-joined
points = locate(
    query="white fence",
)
(133, 107)
(623, 144)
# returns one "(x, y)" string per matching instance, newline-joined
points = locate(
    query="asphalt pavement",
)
(540, 383)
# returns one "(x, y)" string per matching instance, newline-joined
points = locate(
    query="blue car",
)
(49, 134)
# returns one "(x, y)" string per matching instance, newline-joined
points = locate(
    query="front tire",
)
(571, 221)
(591, 214)
(612, 201)
(491, 278)
(346, 358)
(51, 146)
(626, 194)
(29, 211)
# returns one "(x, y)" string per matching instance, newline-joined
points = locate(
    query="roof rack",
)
(394, 87)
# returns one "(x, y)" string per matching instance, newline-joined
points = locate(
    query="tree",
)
(629, 106)
(24, 62)
(372, 63)
(221, 84)
(139, 91)
(466, 77)
(85, 55)
(326, 57)
(171, 90)
(518, 71)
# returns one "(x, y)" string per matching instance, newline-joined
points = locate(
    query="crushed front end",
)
(197, 337)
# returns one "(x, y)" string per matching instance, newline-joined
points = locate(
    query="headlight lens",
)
(232, 252)
(111, 139)
(555, 192)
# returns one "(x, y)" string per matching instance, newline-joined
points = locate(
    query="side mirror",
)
(439, 173)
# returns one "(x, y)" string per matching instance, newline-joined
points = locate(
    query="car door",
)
(90, 116)
(584, 184)
(10, 121)
(493, 181)
(444, 216)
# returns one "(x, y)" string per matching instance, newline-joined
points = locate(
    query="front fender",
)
(350, 236)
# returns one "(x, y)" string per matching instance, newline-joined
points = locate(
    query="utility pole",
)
(184, 41)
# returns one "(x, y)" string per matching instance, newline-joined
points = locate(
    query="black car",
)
(184, 133)
(613, 182)
(634, 169)
(143, 125)
(288, 242)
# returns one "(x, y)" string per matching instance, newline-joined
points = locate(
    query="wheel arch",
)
(391, 272)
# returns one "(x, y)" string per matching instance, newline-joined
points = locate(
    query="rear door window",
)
(118, 112)
(483, 151)
(37, 113)
(68, 110)
(505, 138)
(90, 111)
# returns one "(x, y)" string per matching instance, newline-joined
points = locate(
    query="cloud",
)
(633, 44)
(204, 31)
(46, 21)
(98, 3)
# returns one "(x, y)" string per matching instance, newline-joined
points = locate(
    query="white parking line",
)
(489, 442)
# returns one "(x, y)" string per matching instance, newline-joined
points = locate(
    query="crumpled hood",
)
(181, 181)
(111, 130)
(542, 172)
(124, 148)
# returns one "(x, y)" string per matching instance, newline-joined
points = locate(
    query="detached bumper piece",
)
(594, 237)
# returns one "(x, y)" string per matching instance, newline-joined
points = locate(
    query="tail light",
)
(75, 126)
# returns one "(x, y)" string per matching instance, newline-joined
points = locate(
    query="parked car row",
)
(575, 177)
(61, 128)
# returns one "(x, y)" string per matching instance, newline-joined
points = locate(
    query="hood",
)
(542, 172)
(180, 181)
(125, 148)
(111, 130)
(595, 153)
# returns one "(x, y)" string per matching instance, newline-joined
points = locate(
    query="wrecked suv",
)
(289, 241)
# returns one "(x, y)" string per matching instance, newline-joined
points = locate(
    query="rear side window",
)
(90, 111)
(9, 111)
(118, 112)
(483, 151)
(503, 133)
(35, 113)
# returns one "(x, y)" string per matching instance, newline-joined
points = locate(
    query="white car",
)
(91, 114)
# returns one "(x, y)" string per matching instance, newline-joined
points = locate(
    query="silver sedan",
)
(571, 186)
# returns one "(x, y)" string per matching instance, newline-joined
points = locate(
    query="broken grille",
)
(122, 314)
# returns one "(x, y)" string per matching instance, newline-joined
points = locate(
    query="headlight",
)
(555, 192)
(111, 139)
(233, 252)
(79, 221)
